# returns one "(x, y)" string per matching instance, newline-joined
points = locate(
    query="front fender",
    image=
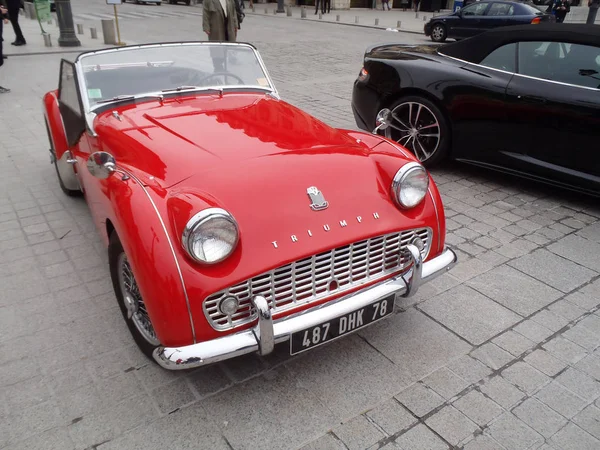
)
(150, 251)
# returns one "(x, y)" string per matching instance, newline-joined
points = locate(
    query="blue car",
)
(484, 15)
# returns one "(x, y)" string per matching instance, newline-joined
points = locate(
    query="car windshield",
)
(152, 70)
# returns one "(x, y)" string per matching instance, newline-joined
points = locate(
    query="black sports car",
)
(484, 15)
(522, 99)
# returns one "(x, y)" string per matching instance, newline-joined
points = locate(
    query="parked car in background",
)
(482, 16)
(174, 2)
(139, 2)
(524, 99)
(235, 221)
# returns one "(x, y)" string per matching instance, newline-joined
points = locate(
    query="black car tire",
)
(438, 32)
(69, 192)
(427, 119)
(116, 253)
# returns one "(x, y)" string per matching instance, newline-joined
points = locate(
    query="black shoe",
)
(3, 90)
(19, 43)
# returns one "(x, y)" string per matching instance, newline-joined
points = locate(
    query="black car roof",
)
(475, 49)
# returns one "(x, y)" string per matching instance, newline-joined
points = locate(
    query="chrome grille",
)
(318, 276)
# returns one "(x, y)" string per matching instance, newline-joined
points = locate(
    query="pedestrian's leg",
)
(13, 14)
(591, 18)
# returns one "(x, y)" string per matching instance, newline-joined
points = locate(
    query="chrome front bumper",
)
(263, 337)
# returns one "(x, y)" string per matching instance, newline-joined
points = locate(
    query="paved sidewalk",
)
(35, 40)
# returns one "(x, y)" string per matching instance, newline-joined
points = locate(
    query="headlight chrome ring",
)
(410, 185)
(210, 236)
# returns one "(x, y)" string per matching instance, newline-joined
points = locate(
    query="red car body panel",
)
(254, 156)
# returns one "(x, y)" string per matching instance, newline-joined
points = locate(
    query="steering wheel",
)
(224, 74)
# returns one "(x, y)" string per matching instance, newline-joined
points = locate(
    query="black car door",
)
(554, 111)
(478, 109)
(470, 20)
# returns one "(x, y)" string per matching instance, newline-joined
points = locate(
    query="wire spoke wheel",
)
(134, 304)
(416, 127)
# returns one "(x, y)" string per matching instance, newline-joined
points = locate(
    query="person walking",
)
(317, 3)
(593, 6)
(220, 22)
(3, 20)
(326, 6)
(13, 7)
(561, 9)
(384, 3)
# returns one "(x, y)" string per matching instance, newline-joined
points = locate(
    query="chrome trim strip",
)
(187, 300)
(520, 74)
(215, 350)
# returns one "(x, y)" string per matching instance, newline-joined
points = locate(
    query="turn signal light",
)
(362, 76)
(536, 20)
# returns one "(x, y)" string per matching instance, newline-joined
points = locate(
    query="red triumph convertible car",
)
(233, 220)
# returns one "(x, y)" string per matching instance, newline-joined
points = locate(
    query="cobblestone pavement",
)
(500, 353)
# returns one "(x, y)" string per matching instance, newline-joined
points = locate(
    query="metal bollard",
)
(252, 8)
(289, 12)
(275, 11)
(93, 33)
(303, 13)
(47, 40)
(108, 31)
(424, 18)
(417, 15)
(376, 22)
(49, 21)
(398, 24)
(355, 19)
(320, 16)
(79, 28)
(337, 17)
(266, 11)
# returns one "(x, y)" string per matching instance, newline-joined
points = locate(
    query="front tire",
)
(420, 126)
(129, 298)
(439, 33)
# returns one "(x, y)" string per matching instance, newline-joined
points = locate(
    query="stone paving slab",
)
(522, 372)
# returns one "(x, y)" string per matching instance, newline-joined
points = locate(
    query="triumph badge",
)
(317, 201)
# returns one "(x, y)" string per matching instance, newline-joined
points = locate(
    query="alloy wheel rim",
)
(134, 304)
(414, 126)
(437, 32)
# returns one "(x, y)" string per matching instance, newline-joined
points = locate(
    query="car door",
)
(478, 110)
(79, 138)
(554, 102)
(498, 15)
(470, 21)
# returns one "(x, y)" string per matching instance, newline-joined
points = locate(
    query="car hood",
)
(186, 136)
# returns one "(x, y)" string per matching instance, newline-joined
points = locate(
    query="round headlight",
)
(210, 236)
(410, 185)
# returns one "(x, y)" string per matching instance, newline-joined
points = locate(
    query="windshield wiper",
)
(189, 88)
(120, 98)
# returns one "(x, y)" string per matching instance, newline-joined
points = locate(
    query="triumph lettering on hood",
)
(327, 228)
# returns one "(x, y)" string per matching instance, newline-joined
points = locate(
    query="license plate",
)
(320, 334)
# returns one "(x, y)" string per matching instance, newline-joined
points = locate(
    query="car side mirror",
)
(383, 120)
(101, 165)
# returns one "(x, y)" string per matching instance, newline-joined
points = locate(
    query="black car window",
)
(560, 61)
(503, 58)
(501, 9)
(476, 9)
